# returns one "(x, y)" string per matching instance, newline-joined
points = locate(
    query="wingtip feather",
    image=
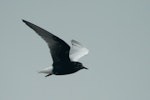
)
(24, 20)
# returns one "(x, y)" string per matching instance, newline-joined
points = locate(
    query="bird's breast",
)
(63, 68)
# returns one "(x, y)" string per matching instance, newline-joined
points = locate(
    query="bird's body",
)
(65, 58)
(62, 68)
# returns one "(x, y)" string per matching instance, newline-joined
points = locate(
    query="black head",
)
(79, 65)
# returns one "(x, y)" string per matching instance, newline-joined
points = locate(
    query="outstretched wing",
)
(77, 51)
(58, 48)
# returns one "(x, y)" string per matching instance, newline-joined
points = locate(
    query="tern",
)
(65, 58)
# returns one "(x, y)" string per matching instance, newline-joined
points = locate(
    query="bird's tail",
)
(47, 70)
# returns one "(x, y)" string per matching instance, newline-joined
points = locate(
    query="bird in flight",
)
(65, 58)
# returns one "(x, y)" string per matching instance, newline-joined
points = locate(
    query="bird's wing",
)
(58, 48)
(77, 51)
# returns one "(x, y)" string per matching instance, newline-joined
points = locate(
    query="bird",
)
(65, 58)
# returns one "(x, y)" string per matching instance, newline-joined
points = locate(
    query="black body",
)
(59, 51)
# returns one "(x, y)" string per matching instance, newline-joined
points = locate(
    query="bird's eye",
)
(79, 64)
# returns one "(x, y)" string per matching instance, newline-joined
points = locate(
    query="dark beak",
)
(85, 68)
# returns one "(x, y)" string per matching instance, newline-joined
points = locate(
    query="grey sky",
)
(117, 32)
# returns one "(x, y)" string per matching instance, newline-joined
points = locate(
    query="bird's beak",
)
(85, 68)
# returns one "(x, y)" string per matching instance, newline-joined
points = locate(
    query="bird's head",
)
(79, 65)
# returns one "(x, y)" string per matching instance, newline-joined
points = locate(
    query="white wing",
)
(77, 51)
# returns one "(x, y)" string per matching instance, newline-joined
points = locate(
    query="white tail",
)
(47, 70)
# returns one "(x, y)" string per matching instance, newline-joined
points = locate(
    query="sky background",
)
(117, 33)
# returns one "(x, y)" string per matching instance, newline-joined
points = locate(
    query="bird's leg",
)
(48, 75)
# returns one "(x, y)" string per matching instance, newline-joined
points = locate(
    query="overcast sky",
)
(117, 33)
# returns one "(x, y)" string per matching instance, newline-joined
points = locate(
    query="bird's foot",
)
(48, 75)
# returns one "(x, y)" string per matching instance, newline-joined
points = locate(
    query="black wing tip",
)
(28, 24)
(25, 21)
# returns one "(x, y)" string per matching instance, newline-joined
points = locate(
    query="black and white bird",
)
(65, 58)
